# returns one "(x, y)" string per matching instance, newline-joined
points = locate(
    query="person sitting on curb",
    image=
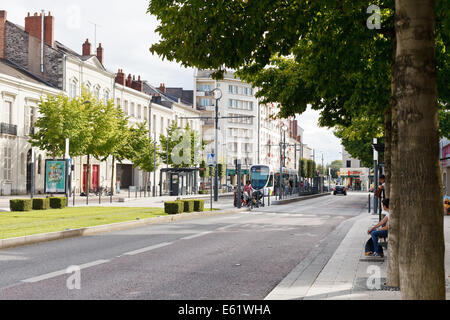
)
(382, 232)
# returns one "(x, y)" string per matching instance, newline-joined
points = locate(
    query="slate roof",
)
(13, 70)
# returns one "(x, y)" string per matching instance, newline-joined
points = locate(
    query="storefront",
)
(355, 179)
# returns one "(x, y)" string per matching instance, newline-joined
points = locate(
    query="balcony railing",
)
(6, 128)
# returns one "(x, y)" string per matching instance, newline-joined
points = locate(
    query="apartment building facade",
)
(49, 67)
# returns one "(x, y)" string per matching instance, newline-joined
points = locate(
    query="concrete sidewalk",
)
(348, 274)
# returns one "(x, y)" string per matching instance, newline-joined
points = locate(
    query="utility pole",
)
(154, 166)
(375, 177)
(216, 153)
(323, 169)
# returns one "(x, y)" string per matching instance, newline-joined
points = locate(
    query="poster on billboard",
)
(55, 176)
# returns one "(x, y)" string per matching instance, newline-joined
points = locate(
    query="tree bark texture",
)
(420, 206)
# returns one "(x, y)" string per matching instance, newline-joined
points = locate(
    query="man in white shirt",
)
(382, 232)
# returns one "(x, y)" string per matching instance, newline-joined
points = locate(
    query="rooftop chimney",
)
(2, 33)
(100, 53)
(120, 77)
(86, 48)
(137, 85)
(129, 81)
(162, 88)
(33, 27)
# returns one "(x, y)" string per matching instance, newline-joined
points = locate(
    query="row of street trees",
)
(100, 130)
(380, 71)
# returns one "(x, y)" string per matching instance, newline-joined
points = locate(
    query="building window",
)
(7, 112)
(73, 89)
(154, 124)
(125, 110)
(205, 102)
(205, 87)
(230, 89)
(106, 96)
(132, 109)
(97, 93)
(162, 125)
(145, 113)
(139, 111)
(236, 89)
(349, 163)
(7, 172)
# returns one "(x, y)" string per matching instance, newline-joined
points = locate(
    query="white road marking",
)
(156, 246)
(196, 235)
(62, 272)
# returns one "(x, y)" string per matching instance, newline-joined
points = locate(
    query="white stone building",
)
(20, 95)
(24, 79)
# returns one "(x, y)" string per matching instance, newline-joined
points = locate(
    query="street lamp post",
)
(217, 95)
(284, 128)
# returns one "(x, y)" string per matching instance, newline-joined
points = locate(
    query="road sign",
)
(210, 160)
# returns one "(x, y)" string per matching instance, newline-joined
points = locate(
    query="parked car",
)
(340, 190)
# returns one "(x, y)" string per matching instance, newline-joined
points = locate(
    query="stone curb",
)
(44, 237)
(303, 198)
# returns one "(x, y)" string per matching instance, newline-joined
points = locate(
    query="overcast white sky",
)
(126, 33)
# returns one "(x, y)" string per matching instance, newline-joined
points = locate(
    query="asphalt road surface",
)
(238, 256)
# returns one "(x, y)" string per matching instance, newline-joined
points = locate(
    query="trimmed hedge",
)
(41, 204)
(199, 205)
(58, 202)
(188, 205)
(204, 192)
(173, 207)
(21, 204)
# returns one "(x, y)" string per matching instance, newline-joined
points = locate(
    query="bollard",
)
(128, 192)
(369, 203)
(99, 196)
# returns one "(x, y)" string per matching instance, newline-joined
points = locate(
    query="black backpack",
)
(370, 248)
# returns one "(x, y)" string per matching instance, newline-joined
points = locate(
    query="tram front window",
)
(259, 177)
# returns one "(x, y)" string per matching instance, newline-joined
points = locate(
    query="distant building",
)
(253, 140)
(353, 175)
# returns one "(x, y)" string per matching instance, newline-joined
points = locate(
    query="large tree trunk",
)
(112, 174)
(421, 243)
(393, 188)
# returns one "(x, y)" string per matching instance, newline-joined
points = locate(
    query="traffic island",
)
(77, 232)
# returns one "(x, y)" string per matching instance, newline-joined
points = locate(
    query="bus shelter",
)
(178, 181)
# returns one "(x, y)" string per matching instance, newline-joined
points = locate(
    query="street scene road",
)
(236, 256)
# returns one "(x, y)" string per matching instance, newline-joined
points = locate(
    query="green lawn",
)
(17, 224)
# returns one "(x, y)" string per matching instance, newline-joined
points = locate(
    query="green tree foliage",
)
(335, 166)
(61, 119)
(179, 141)
(142, 149)
(315, 52)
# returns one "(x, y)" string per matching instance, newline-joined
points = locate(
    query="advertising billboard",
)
(55, 176)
